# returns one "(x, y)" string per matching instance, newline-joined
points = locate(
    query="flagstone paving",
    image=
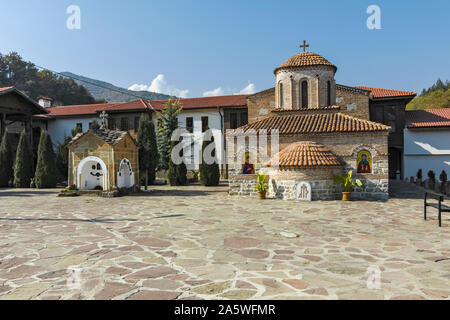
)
(199, 243)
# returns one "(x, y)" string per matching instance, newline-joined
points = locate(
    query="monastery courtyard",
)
(199, 243)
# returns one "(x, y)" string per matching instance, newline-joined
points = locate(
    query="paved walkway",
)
(193, 242)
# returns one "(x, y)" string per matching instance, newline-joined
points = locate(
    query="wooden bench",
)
(441, 207)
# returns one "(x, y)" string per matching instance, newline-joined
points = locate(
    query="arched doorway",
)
(92, 174)
(125, 176)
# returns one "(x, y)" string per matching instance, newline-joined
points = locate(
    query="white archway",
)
(92, 172)
(125, 175)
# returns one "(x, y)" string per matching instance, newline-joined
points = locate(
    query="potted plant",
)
(262, 186)
(347, 184)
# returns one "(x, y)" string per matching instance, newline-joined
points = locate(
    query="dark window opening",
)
(304, 94)
(204, 123)
(328, 93)
(233, 120)
(190, 124)
(281, 95)
(79, 127)
(244, 118)
(136, 124)
(124, 124)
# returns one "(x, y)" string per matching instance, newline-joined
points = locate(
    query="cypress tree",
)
(148, 149)
(167, 123)
(181, 170)
(172, 171)
(6, 161)
(46, 171)
(209, 173)
(23, 170)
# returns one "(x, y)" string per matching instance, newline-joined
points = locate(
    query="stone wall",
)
(353, 101)
(316, 77)
(346, 146)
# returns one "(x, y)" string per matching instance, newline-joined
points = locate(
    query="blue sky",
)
(226, 46)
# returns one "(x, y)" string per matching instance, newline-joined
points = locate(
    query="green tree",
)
(148, 150)
(46, 171)
(6, 161)
(172, 170)
(167, 124)
(62, 158)
(23, 170)
(209, 168)
(26, 77)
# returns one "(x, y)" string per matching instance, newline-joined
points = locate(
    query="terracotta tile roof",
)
(386, 93)
(428, 118)
(91, 109)
(305, 154)
(189, 103)
(312, 123)
(238, 100)
(111, 137)
(305, 59)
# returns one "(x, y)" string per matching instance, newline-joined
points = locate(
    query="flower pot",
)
(346, 196)
(261, 194)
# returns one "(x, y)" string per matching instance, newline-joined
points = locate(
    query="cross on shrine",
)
(304, 46)
(104, 116)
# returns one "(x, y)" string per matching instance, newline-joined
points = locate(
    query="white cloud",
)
(214, 92)
(250, 89)
(159, 85)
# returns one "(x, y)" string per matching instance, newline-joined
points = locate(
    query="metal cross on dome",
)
(304, 46)
(104, 116)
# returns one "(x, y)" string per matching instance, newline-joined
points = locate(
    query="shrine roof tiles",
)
(319, 123)
(305, 154)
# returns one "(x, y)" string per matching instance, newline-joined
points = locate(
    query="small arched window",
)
(328, 93)
(304, 94)
(280, 90)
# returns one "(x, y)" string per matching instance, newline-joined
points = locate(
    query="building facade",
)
(427, 142)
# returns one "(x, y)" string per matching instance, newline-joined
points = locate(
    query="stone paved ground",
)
(193, 243)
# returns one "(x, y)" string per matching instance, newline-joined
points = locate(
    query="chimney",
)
(45, 102)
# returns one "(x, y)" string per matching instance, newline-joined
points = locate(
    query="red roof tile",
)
(206, 102)
(428, 118)
(305, 59)
(386, 93)
(189, 103)
(305, 154)
(312, 123)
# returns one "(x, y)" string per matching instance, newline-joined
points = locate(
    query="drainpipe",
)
(223, 137)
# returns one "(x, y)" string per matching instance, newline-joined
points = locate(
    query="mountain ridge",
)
(104, 90)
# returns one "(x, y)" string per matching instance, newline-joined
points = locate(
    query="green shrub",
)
(443, 176)
(209, 173)
(23, 170)
(46, 171)
(6, 161)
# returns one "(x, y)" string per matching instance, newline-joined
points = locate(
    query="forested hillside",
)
(26, 77)
(435, 97)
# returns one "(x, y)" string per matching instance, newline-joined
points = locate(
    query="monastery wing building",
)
(323, 129)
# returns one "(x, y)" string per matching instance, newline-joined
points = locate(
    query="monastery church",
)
(318, 136)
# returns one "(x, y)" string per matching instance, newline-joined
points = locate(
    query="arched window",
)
(305, 94)
(328, 93)
(280, 90)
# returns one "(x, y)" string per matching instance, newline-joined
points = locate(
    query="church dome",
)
(305, 59)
